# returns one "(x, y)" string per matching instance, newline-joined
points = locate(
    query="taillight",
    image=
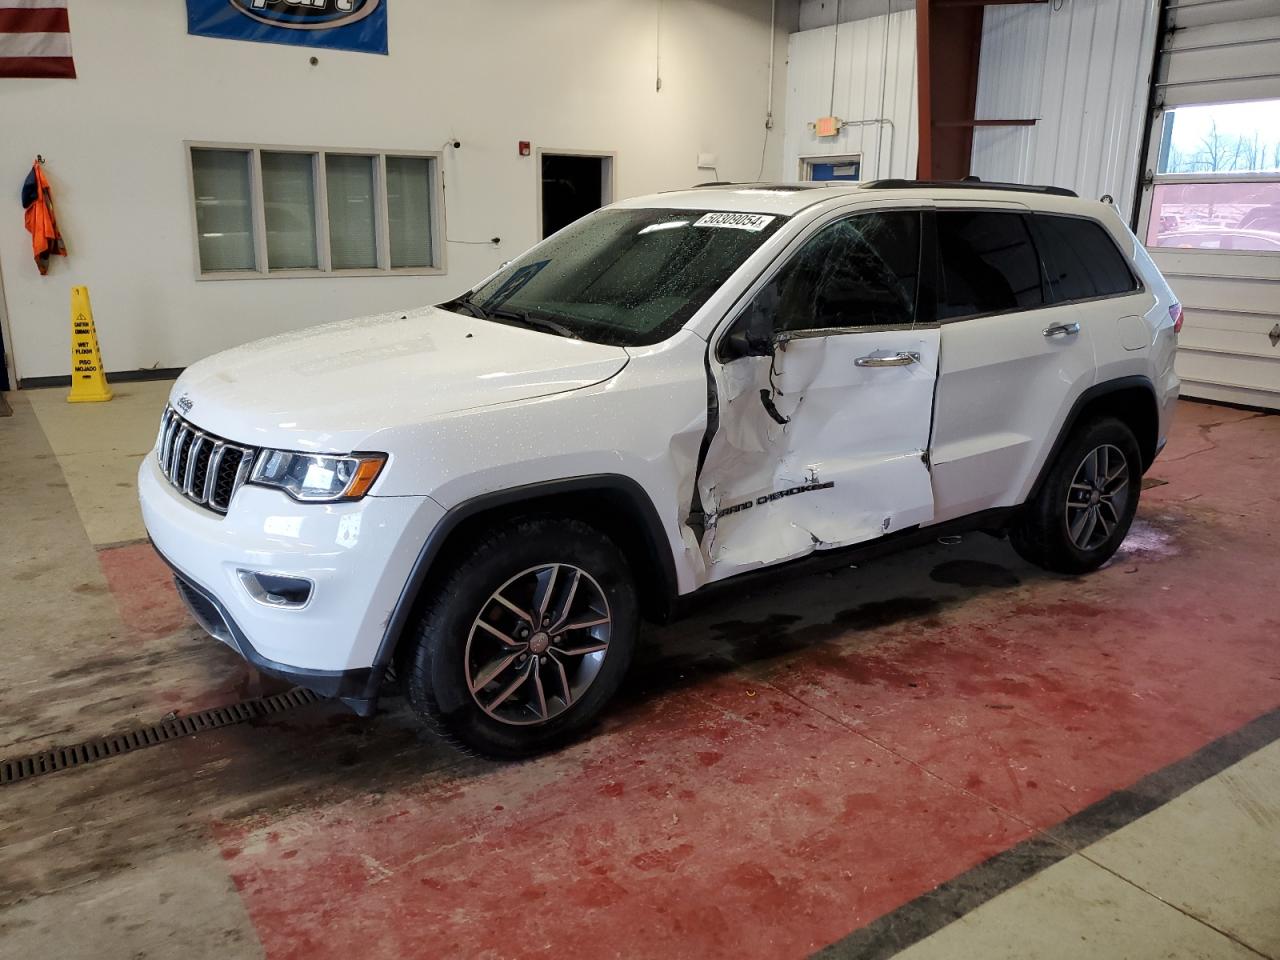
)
(1175, 314)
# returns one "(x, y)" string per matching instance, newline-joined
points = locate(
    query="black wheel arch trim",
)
(654, 534)
(1072, 419)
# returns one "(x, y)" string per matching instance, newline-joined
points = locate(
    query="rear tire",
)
(526, 640)
(1083, 510)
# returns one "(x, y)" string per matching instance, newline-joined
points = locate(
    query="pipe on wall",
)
(882, 122)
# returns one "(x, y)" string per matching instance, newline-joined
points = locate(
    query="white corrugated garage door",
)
(1211, 210)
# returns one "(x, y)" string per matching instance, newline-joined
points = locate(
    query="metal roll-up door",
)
(1210, 211)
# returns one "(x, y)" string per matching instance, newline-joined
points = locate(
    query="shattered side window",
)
(863, 271)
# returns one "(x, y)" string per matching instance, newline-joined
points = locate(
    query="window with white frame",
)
(285, 211)
(1217, 181)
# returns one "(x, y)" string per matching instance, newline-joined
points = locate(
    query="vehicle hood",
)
(327, 388)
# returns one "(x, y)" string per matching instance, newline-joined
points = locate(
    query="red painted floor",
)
(142, 586)
(732, 821)
(1045, 707)
(846, 762)
(143, 590)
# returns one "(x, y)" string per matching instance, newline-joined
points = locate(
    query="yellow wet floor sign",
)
(88, 381)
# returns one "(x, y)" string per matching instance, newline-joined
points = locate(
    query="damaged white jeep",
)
(488, 495)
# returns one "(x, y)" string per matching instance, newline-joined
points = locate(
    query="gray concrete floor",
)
(1197, 878)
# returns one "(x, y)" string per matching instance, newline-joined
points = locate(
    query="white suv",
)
(487, 495)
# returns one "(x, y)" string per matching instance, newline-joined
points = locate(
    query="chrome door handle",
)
(1055, 329)
(897, 360)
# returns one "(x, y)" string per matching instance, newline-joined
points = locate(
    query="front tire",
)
(1085, 507)
(526, 640)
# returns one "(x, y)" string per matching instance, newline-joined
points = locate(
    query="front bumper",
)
(358, 556)
(357, 688)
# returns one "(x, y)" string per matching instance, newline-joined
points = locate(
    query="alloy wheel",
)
(1098, 496)
(537, 644)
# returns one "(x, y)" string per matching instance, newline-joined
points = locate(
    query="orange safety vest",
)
(46, 241)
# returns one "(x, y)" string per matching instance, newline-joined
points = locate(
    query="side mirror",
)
(752, 333)
(739, 343)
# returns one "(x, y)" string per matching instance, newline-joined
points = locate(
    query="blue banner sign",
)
(337, 24)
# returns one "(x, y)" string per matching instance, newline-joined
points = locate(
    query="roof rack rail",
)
(762, 186)
(969, 183)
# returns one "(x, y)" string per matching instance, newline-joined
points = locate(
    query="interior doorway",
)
(572, 184)
(831, 168)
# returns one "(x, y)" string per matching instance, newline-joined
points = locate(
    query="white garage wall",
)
(823, 13)
(875, 78)
(560, 73)
(1083, 71)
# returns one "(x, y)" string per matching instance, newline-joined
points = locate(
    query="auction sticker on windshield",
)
(755, 222)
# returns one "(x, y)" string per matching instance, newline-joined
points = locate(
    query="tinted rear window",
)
(986, 264)
(1081, 259)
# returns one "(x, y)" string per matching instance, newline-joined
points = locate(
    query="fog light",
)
(275, 590)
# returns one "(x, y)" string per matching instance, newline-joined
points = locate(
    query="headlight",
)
(312, 478)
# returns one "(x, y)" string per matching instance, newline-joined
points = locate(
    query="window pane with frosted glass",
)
(409, 211)
(289, 200)
(1228, 215)
(351, 219)
(224, 218)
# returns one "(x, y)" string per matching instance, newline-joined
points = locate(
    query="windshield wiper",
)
(536, 322)
(469, 306)
(522, 317)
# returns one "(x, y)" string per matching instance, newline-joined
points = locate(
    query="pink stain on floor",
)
(142, 586)
(633, 844)
(1043, 707)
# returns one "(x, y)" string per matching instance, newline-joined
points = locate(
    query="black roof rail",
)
(778, 187)
(968, 183)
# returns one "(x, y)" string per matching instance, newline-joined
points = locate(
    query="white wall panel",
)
(823, 13)
(1082, 72)
(1222, 51)
(1230, 307)
(874, 63)
(1199, 13)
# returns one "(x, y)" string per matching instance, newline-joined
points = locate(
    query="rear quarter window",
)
(986, 264)
(1081, 259)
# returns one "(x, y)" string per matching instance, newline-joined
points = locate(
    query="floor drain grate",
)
(175, 728)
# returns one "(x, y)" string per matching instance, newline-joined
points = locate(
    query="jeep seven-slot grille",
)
(205, 469)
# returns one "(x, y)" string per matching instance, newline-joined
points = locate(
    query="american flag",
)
(35, 39)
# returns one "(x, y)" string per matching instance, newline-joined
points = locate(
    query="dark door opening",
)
(4, 360)
(573, 186)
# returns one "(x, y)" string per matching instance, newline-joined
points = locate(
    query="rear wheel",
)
(1085, 507)
(527, 639)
